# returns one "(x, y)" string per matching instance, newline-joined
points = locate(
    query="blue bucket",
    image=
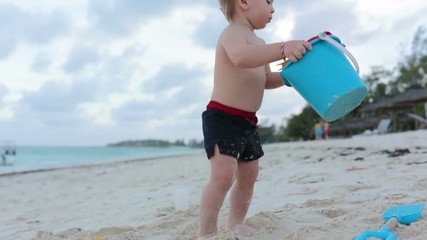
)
(326, 79)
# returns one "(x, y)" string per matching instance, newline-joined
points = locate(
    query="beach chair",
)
(382, 126)
(418, 118)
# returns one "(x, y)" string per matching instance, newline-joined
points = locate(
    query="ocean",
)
(31, 158)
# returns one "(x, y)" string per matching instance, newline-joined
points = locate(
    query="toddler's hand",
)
(295, 49)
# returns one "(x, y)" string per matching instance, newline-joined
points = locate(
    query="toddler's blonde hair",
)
(227, 7)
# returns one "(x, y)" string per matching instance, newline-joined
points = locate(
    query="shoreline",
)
(330, 189)
(90, 165)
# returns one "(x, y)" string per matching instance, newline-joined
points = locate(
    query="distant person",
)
(318, 131)
(232, 144)
(326, 130)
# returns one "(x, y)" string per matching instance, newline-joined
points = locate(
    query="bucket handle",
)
(325, 37)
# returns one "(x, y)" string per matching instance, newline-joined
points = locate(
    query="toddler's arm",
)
(274, 80)
(247, 55)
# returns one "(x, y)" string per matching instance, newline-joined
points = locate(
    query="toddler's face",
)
(261, 12)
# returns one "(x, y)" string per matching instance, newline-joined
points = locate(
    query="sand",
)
(329, 189)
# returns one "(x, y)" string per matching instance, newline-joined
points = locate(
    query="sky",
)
(93, 72)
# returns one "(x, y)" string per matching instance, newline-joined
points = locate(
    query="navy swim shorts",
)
(236, 136)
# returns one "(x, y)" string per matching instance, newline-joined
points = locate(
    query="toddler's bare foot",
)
(209, 237)
(243, 230)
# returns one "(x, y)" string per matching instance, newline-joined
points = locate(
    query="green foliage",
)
(180, 143)
(195, 144)
(301, 126)
(414, 65)
(376, 81)
(267, 134)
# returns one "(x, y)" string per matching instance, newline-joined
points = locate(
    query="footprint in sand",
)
(332, 212)
(308, 178)
(305, 191)
(396, 196)
(327, 207)
(352, 169)
(420, 185)
(319, 203)
(359, 187)
(267, 221)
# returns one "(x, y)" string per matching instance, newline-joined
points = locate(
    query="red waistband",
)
(230, 110)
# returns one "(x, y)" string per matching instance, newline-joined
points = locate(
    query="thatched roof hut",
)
(413, 95)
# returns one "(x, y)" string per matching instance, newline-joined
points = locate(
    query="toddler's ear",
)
(243, 4)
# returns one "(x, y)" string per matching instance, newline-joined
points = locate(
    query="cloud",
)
(208, 31)
(59, 97)
(18, 25)
(176, 88)
(340, 18)
(116, 71)
(3, 92)
(171, 105)
(116, 18)
(58, 103)
(80, 57)
(8, 44)
(120, 17)
(41, 62)
(173, 76)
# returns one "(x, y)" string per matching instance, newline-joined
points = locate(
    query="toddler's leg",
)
(241, 196)
(221, 180)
